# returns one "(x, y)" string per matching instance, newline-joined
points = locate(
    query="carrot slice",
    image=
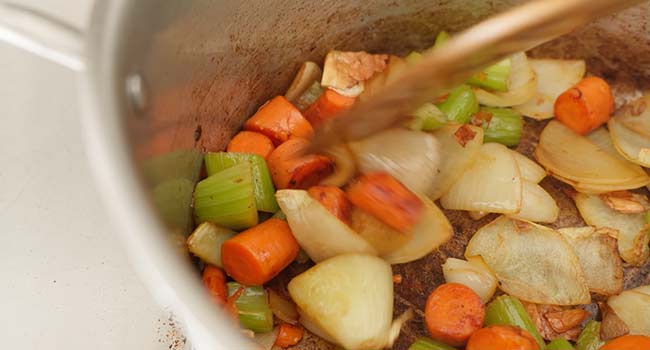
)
(385, 198)
(251, 142)
(291, 167)
(334, 200)
(288, 335)
(279, 120)
(453, 312)
(586, 106)
(628, 342)
(258, 254)
(215, 280)
(327, 106)
(501, 338)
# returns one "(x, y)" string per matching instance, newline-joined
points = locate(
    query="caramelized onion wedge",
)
(492, 184)
(536, 204)
(522, 85)
(532, 262)
(633, 307)
(633, 146)
(633, 230)
(473, 273)
(636, 116)
(344, 165)
(382, 237)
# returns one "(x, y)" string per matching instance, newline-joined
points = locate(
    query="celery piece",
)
(227, 198)
(559, 344)
(494, 77)
(253, 307)
(413, 57)
(508, 310)
(425, 343)
(427, 118)
(441, 39)
(262, 182)
(503, 125)
(206, 240)
(279, 215)
(460, 104)
(309, 96)
(589, 339)
(647, 217)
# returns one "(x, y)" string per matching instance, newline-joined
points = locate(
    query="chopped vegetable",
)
(258, 254)
(501, 125)
(412, 157)
(382, 196)
(492, 184)
(508, 311)
(553, 321)
(308, 74)
(459, 105)
(206, 240)
(393, 70)
(279, 215)
(546, 271)
(424, 343)
(345, 72)
(320, 234)
(291, 168)
(589, 339)
(309, 96)
(283, 308)
(626, 202)
(266, 341)
(262, 182)
(327, 106)
(344, 165)
(334, 200)
(427, 118)
(413, 57)
(494, 77)
(611, 325)
(502, 338)
(253, 307)
(251, 142)
(559, 344)
(215, 281)
(628, 342)
(288, 335)
(453, 312)
(380, 236)
(522, 84)
(632, 307)
(472, 273)
(586, 106)
(227, 198)
(631, 145)
(279, 120)
(536, 204)
(441, 39)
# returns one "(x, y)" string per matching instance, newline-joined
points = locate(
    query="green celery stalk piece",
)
(425, 343)
(206, 240)
(262, 181)
(559, 344)
(253, 308)
(413, 57)
(427, 118)
(460, 104)
(227, 198)
(508, 310)
(504, 127)
(589, 339)
(441, 39)
(494, 77)
(309, 96)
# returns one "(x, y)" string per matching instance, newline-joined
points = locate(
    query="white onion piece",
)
(344, 165)
(455, 158)
(412, 157)
(349, 299)
(477, 215)
(282, 308)
(530, 171)
(633, 307)
(492, 184)
(382, 237)
(636, 116)
(532, 262)
(634, 147)
(267, 340)
(573, 157)
(429, 233)
(536, 204)
(319, 233)
(553, 78)
(598, 257)
(521, 85)
(633, 231)
(309, 73)
(473, 273)
(601, 138)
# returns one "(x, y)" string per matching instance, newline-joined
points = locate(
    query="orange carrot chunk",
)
(258, 254)
(251, 142)
(383, 197)
(628, 342)
(215, 280)
(334, 200)
(291, 167)
(327, 106)
(452, 313)
(279, 120)
(586, 106)
(288, 335)
(501, 338)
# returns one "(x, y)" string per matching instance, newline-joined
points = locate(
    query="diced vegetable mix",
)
(358, 208)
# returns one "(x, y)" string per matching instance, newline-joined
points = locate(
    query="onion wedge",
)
(473, 273)
(319, 233)
(522, 85)
(598, 257)
(536, 204)
(382, 237)
(633, 146)
(633, 307)
(601, 138)
(633, 230)
(553, 78)
(532, 262)
(530, 171)
(344, 165)
(492, 184)
(309, 73)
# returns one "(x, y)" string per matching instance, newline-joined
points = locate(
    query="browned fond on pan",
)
(420, 277)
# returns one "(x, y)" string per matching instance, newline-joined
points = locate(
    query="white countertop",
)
(67, 283)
